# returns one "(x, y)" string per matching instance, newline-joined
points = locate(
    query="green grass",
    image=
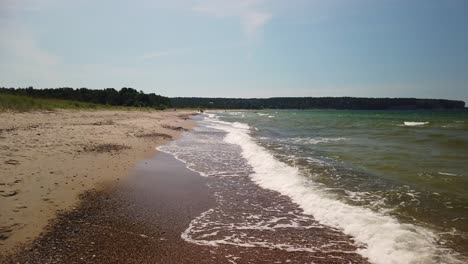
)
(25, 103)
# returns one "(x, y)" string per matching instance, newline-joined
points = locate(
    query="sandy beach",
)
(49, 158)
(141, 219)
(94, 192)
(90, 187)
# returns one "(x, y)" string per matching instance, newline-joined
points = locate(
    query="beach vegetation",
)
(82, 98)
(10, 102)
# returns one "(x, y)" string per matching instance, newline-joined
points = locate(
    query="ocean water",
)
(395, 183)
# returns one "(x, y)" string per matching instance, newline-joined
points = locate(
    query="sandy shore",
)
(140, 220)
(48, 158)
(142, 217)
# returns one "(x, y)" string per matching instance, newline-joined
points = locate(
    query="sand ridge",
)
(48, 158)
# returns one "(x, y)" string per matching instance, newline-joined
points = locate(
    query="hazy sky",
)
(239, 48)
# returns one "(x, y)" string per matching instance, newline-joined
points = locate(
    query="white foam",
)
(199, 224)
(447, 174)
(386, 239)
(406, 123)
(210, 115)
(313, 141)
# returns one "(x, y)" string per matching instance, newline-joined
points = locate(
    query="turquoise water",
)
(412, 165)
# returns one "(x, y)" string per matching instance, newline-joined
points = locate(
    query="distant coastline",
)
(129, 97)
(351, 103)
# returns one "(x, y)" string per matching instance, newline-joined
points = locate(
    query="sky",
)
(239, 48)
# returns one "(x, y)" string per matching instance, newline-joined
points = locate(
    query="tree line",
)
(131, 97)
(109, 96)
(353, 103)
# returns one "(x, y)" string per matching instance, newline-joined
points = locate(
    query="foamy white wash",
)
(314, 141)
(406, 123)
(447, 174)
(386, 239)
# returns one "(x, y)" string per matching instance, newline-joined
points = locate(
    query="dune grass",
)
(25, 103)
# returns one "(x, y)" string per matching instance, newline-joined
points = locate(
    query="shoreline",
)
(141, 219)
(49, 158)
(153, 216)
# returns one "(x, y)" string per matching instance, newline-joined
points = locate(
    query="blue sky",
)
(239, 48)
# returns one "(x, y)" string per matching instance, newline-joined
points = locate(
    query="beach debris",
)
(104, 123)
(176, 128)
(186, 116)
(154, 135)
(103, 148)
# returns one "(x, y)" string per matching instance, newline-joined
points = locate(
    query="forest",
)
(356, 103)
(133, 98)
(109, 96)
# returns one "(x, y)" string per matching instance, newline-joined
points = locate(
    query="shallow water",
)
(394, 181)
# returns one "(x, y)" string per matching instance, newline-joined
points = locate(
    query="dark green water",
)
(416, 171)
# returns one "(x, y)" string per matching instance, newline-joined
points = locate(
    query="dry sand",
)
(48, 158)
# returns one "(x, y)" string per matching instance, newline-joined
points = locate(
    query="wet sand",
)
(141, 219)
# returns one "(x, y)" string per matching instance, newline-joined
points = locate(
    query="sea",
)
(388, 186)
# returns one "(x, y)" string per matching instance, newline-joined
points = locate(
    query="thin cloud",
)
(12, 6)
(157, 54)
(183, 51)
(250, 13)
(22, 53)
(254, 21)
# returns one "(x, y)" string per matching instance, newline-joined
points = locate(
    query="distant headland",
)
(352, 103)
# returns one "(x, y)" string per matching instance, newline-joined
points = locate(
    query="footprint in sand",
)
(9, 193)
(5, 233)
(12, 162)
